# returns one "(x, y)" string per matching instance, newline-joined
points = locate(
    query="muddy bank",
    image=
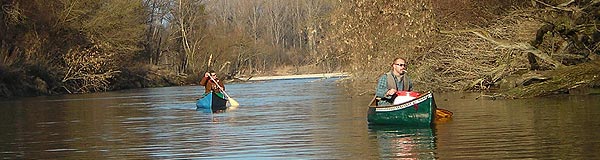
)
(31, 81)
(581, 79)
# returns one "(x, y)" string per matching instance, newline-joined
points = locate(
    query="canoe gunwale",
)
(421, 98)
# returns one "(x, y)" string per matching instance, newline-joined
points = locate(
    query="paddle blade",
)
(443, 113)
(233, 102)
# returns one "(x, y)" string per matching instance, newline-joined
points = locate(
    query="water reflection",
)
(302, 119)
(404, 142)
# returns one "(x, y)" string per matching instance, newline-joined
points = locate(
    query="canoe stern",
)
(211, 102)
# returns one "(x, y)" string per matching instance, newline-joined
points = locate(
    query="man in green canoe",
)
(393, 81)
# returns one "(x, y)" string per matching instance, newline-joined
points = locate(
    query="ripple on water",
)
(291, 119)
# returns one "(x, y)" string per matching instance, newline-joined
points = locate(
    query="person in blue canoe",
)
(391, 82)
(208, 81)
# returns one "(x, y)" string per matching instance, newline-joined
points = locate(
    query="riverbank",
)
(22, 83)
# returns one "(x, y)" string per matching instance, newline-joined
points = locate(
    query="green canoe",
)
(420, 111)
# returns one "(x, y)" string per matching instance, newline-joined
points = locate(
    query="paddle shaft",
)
(222, 90)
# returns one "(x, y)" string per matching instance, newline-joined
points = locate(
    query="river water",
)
(297, 119)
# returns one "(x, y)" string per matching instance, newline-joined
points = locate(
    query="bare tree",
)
(188, 24)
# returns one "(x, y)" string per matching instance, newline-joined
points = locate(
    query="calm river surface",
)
(297, 119)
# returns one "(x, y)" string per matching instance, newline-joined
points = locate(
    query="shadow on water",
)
(404, 142)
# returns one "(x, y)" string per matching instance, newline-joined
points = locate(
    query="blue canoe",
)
(212, 102)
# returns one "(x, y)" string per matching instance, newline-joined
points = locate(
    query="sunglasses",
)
(213, 74)
(401, 65)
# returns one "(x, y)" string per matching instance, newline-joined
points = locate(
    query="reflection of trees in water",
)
(405, 142)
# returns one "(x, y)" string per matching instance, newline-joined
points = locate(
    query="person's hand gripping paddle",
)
(231, 101)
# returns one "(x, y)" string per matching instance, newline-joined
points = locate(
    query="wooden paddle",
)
(232, 101)
(443, 113)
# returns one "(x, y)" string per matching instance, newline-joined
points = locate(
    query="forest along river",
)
(299, 119)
